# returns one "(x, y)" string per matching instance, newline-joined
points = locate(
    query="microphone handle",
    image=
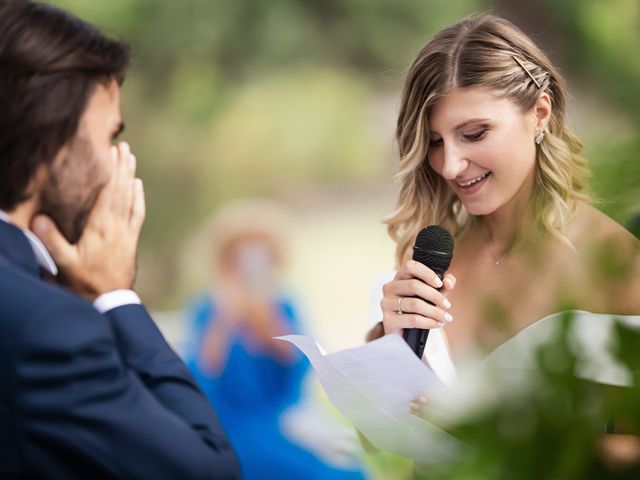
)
(417, 337)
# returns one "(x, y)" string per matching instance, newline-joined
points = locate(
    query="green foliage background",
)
(235, 97)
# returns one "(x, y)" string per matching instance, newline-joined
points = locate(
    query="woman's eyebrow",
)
(460, 126)
(467, 122)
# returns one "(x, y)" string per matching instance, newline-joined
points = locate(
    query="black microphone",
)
(433, 248)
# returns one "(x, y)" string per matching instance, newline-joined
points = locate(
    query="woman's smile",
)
(470, 186)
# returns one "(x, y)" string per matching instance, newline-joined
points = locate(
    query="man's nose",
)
(454, 162)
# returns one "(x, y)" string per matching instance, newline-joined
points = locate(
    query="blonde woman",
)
(485, 152)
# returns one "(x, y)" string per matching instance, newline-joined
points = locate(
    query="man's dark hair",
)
(50, 63)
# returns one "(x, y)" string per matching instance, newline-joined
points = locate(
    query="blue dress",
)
(250, 394)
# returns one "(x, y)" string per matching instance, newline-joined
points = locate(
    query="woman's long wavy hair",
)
(490, 52)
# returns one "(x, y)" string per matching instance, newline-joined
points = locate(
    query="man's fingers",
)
(138, 209)
(132, 164)
(126, 164)
(104, 200)
(128, 161)
(121, 183)
(60, 249)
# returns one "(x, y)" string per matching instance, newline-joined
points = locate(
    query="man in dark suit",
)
(88, 386)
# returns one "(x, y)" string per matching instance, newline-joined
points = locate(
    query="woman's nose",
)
(454, 162)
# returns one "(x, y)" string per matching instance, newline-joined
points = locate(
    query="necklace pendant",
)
(498, 262)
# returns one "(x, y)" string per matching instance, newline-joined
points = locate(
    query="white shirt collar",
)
(43, 257)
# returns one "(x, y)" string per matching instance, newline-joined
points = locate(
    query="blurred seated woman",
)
(250, 378)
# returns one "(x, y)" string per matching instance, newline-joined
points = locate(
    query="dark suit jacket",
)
(86, 395)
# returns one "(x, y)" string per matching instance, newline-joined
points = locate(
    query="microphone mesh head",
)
(434, 248)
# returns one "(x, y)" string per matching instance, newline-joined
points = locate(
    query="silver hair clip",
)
(528, 72)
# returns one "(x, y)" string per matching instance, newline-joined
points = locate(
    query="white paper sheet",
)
(373, 385)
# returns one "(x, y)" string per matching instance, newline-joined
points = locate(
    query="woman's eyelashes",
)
(469, 137)
(474, 137)
(435, 142)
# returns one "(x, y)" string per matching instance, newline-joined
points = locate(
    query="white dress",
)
(592, 336)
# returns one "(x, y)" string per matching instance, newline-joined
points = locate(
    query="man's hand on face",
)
(104, 259)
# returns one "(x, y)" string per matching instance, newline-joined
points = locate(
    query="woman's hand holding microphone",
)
(416, 298)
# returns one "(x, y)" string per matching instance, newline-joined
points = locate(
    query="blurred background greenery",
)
(295, 100)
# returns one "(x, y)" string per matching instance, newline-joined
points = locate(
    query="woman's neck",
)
(501, 232)
(506, 227)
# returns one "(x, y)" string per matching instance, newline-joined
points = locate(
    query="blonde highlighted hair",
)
(489, 52)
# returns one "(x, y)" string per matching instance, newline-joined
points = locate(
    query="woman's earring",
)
(539, 138)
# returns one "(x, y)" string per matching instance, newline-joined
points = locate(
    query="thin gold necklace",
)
(497, 260)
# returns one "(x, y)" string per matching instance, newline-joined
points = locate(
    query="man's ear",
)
(542, 112)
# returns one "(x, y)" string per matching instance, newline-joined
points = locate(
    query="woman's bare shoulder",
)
(592, 228)
(613, 256)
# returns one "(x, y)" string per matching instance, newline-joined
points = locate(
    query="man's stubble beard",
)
(67, 197)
